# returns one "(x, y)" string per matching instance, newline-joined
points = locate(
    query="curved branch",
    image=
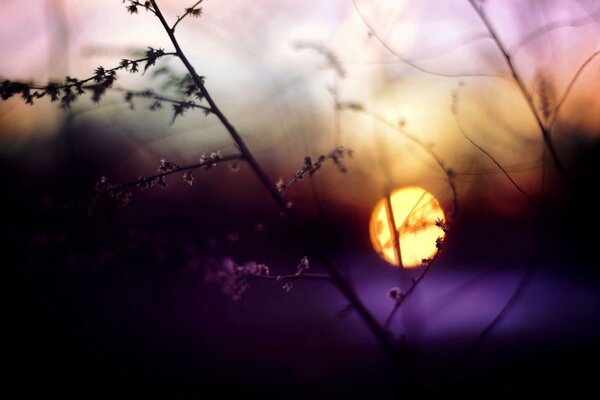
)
(448, 172)
(504, 171)
(410, 62)
(567, 91)
(573, 23)
(519, 81)
(450, 47)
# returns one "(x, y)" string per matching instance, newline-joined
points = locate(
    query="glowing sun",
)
(413, 212)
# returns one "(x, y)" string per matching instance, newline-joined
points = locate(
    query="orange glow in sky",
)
(280, 97)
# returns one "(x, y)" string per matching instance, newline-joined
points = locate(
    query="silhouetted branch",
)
(493, 159)
(179, 105)
(504, 171)
(281, 203)
(234, 278)
(321, 277)
(193, 11)
(395, 232)
(132, 8)
(567, 91)
(72, 88)
(206, 162)
(528, 97)
(443, 225)
(121, 192)
(401, 297)
(311, 166)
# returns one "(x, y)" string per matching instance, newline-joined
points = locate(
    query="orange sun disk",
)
(413, 213)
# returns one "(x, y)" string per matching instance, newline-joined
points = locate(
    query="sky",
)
(250, 55)
(276, 69)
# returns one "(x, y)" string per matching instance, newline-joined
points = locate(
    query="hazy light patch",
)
(256, 73)
(454, 304)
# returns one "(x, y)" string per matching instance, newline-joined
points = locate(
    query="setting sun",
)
(414, 212)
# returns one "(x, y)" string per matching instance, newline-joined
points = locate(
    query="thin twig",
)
(81, 82)
(564, 96)
(188, 11)
(404, 296)
(493, 159)
(149, 94)
(293, 277)
(448, 172)
(450, 179)
(137, 3)
(494, 171)
(190, 167)
(588, 19)
(410, 62)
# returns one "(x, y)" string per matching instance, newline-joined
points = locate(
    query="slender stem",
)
(148, 94)
(336, 276)
(294, 277)
(232, 157)
(395, 231)
(402, 299)
(390, 317)
(187, 12)
(544, 131)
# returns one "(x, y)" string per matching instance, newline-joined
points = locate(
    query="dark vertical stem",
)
(336, 276)
(395, 231)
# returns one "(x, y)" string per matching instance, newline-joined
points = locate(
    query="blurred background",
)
(117, 303)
